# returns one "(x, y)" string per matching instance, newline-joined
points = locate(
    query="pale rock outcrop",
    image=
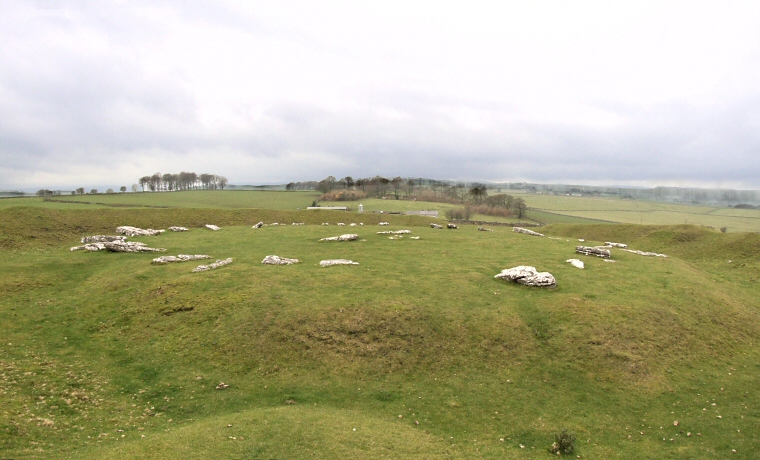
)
(589, 251)
(383, 223)
(102, 239)
(346, 237)
(397, 232)
(576, 263)
(277, 260)
(615, 245)
(130, 246)
(452, 226)
(89, 247)
(212, 227)
(331, 262)
(259, 225)
(643, 253)
(179, 258)
(436, 226)
(528, 276)
(217, 264)
(134, 231)
(178, 229)
(526, 231)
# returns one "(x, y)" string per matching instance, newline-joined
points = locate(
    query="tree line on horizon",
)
(473, 197)
(183, 181)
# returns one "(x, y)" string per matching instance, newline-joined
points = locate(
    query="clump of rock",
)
(452, 226)
(576, 263)
(179, 258)
(212, 227)
(134, 231)
(615, 245)
(436, 226)
(589, 251)
(178, 229)
(526, 231)
(383, 223)
(527, 276)
(644, 253)
(217, 264)
(277, 260)
(130, 246)
(397, 232)
(346, 237)
(331, 262)
(483, 229)
(102, 239)
(89, 247)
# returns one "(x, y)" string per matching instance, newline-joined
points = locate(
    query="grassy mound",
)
(95, 343)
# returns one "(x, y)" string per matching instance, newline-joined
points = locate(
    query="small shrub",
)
(564, 443)
(724, 229)
(459, 213)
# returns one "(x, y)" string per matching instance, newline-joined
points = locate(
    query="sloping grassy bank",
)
(22, 227)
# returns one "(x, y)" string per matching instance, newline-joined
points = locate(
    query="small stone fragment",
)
(178, 229)
(341, 224)
(616, 245)
(432, 225)
(383, 223)
(179, 258)
(212, 227)
(102, 239)
(576, 263)
(589, 251)
(277, 260)
(397, 232)
(346, 237)
(331, 262)
(526, 231)
(483, 229)
(643, 253)
(222, 386)
(134, 231)
(217, 264)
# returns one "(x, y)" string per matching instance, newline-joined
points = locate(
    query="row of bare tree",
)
(183, 181)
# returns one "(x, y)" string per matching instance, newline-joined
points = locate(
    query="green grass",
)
(646, 212)
(223, 199)
(101, 342)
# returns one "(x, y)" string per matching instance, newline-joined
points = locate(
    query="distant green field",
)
(418, 352)
(281, 200)
(647, 212)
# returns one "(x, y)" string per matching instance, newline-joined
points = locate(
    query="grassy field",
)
(418, 352)
(646, 212)
(223, 199)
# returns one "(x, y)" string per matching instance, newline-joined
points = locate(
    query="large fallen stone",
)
(644, 253)
(90, 247)
(527, 275)
(102, 239)
(217, 264)
(576, 263)
(452, 226)
(179, 258)
(342, 224)
(134, 231)
(331, 262)
(526, 231)
(616, 245)
(436, 226)
(259, 225)
(130, 246)
(483, 229)
(384, 223)
(277, 260)
(589, 251)
(397, 232)
(212, 227)
(346, 237)
(178, 229)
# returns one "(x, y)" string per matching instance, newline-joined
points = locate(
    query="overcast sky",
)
(102, 93)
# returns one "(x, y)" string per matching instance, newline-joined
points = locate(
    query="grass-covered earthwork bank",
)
(418, 352)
